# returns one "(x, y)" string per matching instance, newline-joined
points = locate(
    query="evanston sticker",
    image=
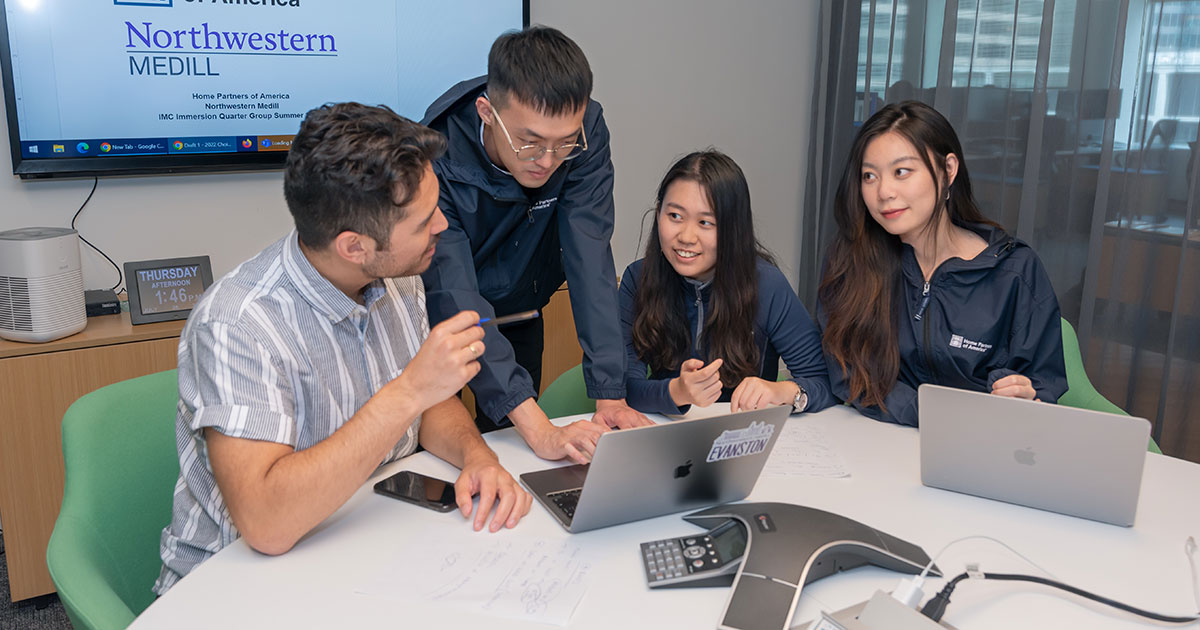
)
(741, 442)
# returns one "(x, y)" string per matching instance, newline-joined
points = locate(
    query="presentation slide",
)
(166, 76)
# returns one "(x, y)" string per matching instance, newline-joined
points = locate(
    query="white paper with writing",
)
(804, 451)
(528, 579)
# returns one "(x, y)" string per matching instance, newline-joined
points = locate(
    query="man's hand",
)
(576, 441)
(484, 476)
(755, 393)
(697, 384)
(445, 362)
(615, 414)
(1015, 386)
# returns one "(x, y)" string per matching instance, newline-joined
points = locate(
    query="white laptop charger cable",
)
(898, 612)
(1189, 548)
(909, 592)
(936, 606)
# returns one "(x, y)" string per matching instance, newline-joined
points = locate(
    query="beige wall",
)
(679, 75)
(673, 76)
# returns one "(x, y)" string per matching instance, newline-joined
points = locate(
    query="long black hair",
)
(661, 334)
(862, 270)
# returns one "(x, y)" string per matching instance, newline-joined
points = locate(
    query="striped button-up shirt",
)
(275, 352)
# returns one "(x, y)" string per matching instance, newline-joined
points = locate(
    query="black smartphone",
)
(424, 491)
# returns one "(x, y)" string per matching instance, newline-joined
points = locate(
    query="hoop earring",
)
(947, 193)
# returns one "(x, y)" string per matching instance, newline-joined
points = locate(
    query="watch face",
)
(801, 400)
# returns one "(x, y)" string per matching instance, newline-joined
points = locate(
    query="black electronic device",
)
(419, 489)
(166, 289)
(708, 559)
(101, 302)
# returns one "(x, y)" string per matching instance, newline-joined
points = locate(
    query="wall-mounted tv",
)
(119, 87)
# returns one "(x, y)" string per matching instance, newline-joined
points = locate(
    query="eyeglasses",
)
(534, 152)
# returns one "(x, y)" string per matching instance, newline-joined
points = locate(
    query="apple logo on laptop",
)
(1025, 456)
(684, 470)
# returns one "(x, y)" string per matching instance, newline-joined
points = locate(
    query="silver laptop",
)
(655, 470)
(1062, 459)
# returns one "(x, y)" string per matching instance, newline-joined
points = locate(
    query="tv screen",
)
(108, 87)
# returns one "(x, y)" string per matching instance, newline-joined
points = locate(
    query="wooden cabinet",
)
(37, 384)
(561, 352)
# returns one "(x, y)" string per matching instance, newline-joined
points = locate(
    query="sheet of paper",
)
(804, 451)
(528, 579)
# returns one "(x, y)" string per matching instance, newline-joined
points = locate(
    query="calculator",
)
(708, 559)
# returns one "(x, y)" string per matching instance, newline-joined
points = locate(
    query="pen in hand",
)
(508, 319)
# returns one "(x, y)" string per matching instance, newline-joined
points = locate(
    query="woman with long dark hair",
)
(920, 287)
(707, 312)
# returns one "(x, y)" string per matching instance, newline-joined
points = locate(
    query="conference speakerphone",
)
(772, 552)
(709, 559)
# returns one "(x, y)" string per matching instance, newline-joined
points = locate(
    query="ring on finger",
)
(471, 347)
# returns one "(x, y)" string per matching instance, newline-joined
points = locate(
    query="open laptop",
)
(655, 470)
(1062, 459)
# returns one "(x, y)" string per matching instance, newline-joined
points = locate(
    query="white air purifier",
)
(41, 284)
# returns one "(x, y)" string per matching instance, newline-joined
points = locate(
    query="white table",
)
(313, 585)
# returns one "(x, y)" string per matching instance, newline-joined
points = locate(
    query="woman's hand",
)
(697, 384)
(756, 393)
(1015, 386)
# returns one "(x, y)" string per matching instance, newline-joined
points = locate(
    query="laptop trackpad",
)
(556, 479)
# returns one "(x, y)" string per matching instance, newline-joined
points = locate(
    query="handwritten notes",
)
(804, 451)
(527, 579)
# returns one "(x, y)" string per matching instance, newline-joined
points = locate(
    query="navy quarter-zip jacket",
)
(508, 249)
(975, 322)
(782, 328)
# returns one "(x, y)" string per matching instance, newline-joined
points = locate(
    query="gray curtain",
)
(1079, 122)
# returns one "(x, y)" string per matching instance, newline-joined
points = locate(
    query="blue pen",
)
(508, 319)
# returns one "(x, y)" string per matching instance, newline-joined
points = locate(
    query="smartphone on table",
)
(422, 490)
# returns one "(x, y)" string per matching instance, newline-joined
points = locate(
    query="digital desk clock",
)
(167, 289)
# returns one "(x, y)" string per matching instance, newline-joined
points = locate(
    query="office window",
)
(996, 43)
(1183, 95)
(884, 40)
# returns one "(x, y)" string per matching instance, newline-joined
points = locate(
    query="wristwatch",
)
(801, 399)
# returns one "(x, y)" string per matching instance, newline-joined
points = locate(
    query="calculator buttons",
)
(664, 560)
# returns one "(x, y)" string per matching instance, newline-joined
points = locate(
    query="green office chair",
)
(567, 395)
(1080, 392)
(121, 467)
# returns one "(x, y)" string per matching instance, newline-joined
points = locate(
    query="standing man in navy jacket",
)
(527, 187)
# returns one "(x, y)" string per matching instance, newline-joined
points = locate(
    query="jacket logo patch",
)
(741, 442)
(958, 341)
(543, 204)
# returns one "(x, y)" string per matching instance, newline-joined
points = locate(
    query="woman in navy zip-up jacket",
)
(919, 287)
(712, 316)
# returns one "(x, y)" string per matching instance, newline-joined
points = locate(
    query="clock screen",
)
(165, 289)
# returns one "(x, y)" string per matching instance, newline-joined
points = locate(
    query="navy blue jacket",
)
(981, 320)
(782, 327)
(509, 248)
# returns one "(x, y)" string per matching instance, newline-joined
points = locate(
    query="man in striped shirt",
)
(312, 363)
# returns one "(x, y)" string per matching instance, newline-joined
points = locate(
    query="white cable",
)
(1189, 549)
(909, 592)
(921, 578)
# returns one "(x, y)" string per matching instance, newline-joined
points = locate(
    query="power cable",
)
(120, 276)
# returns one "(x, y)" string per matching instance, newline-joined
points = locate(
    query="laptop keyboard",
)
(566, 500)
